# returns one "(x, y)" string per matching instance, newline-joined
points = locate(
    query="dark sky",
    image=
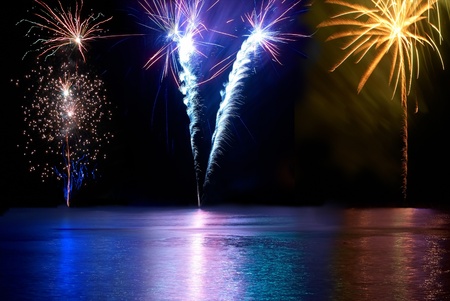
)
(301, 136)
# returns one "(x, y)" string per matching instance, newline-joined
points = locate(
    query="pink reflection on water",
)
(192, 262)
(196, 259)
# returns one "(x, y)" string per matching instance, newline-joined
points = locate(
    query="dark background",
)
(303, 135)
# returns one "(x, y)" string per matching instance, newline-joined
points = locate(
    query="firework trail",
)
(180, 22)
(264, 35)
(398, 27)
(77, 172)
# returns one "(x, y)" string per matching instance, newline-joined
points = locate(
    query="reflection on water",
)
(397, 254)
(249, 253)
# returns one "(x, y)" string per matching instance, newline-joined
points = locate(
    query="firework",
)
(64, 113)
(180, 23)
(65, 28)
(66, 105)
(398, 27)
(266, 35)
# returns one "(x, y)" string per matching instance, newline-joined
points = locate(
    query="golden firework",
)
(399, 28)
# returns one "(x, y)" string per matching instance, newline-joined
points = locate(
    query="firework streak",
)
(179, 21)
(265, 35)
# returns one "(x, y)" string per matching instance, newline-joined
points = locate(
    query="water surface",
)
(224, 253)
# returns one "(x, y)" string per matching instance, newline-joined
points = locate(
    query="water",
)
(248, 253)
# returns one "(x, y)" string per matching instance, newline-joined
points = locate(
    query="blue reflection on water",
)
(249, 253)
(66, 270)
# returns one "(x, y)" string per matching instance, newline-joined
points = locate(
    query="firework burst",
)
(65, 27)
(64, 114)
(179, 24)
(398, 27)
(265, 24)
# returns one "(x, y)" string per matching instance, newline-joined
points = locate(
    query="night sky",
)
(303, 134)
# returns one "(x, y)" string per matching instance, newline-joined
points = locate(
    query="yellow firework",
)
(399, 28)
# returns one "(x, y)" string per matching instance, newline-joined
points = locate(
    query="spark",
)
(266, 34)
(178, 21)
(264, 27)
(398, 27)
(65, 28)
(64, 113)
